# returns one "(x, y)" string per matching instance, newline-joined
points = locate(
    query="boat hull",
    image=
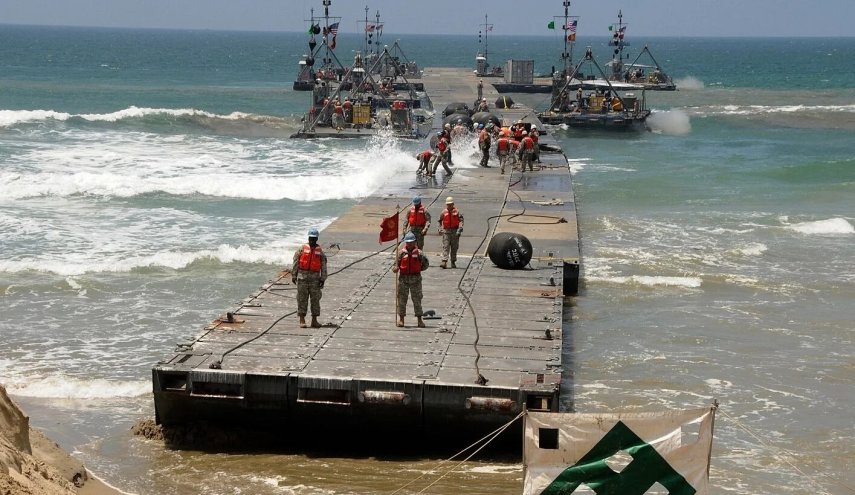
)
(601, 121)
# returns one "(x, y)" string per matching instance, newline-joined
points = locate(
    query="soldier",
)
(424, 162)
(411, 263)
(450, 227)
(442, 155)
(503, 149)
(484, 143)
(418, 221)
(535, 137)
(526, 152)
(309, 272)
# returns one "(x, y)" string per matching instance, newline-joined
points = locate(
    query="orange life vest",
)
(426, 155)
(442, 145)
(417, 216)
(450, 219)
(534, 135)
(347, 105)
(410, 263)
(527, 143)
(503, 144)
(310, 260)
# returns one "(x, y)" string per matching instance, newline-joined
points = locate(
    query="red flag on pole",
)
(389, 228)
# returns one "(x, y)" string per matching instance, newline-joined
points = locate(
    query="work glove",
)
(459, 230)
(321, 284)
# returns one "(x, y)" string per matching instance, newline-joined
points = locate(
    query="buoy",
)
(510, 251)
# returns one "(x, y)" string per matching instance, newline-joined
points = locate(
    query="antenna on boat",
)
(569, 28)
(367, 28)
(379, 28)
(487, 27)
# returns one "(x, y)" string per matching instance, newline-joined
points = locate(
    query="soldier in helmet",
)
(309, 272)
(418, 221)
(450, 227)
(411, 263)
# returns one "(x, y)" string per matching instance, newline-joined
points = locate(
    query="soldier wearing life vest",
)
(309, 271)
(450, 227)
(424, 162)
(526, 152)
(417, 221)
(443, 152)
(503, 149)
(410, 264)
(484, 143)
(338, 115)
(347, 106)
(535, 137)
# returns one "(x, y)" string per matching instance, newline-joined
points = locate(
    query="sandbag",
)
(510, 251)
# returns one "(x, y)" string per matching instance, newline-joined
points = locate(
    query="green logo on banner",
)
(646, 469)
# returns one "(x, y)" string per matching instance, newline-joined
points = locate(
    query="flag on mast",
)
(551, 25)
(626, 453)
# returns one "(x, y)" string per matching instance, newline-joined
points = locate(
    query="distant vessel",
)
(373, 104)
(602, 107)
(394, 73)
(482, 66)
(525, 83)
(649, 76)
(327, 70)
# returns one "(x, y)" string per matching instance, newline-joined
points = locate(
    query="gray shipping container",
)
(519, 71)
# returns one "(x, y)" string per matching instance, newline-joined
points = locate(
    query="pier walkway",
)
(493, 346)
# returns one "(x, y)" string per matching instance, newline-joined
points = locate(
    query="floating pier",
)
(492, 347)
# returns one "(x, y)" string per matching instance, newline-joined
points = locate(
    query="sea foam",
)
(829, 226)
(65, 387)
(673, 122)
(176, 260)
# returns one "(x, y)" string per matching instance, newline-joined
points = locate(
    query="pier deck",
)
(470, 371)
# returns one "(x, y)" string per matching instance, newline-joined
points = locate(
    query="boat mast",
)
(379, 29)
(486, 28)
(567, 56)
(365, 50)
(327, 60)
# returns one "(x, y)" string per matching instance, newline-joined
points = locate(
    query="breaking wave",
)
(65, 387)
(175, 260)
(9, 118)
(824, 227)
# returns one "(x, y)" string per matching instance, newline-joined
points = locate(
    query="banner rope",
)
(786, 460)
(486, 439)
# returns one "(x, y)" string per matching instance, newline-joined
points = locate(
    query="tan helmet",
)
(449, 200)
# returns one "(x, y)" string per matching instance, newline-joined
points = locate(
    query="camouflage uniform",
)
(308, 284)
(416, 229)
(410, 284)
(526, 156)
(450, 239)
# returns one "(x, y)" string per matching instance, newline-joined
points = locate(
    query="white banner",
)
(626, 453)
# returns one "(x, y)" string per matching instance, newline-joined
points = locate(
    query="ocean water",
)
(147, 182)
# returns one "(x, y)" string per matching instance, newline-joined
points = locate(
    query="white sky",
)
(510, 17)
